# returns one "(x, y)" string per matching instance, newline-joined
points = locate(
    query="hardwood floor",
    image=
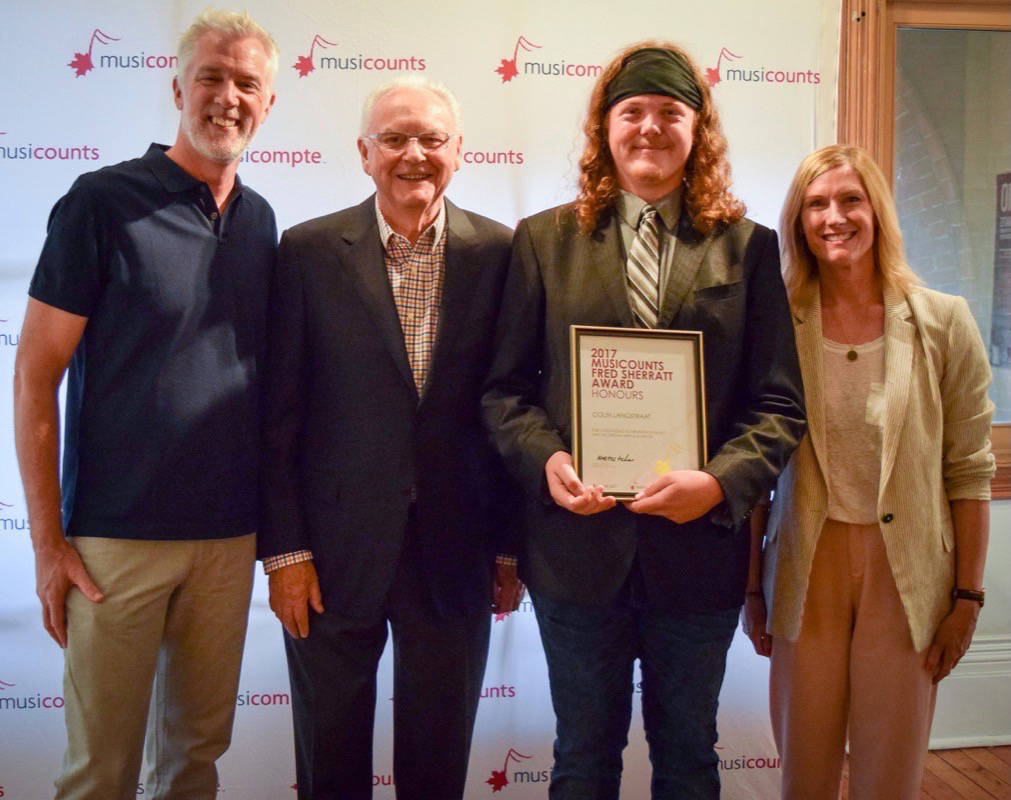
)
(973, 773)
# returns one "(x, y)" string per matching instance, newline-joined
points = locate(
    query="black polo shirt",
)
(162, 405)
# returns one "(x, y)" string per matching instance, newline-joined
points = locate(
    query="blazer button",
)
(887, 518)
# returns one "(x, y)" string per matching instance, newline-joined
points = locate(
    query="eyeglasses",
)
(396, 142)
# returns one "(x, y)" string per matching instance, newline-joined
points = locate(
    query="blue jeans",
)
(591, 652)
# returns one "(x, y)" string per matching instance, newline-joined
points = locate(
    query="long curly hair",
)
(707, 197)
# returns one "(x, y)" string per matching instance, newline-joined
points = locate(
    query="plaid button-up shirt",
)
(415, 273)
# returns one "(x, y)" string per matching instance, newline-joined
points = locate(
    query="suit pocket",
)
(720, 313)
(719, 292)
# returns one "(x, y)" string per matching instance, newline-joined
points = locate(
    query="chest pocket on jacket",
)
(717, 311)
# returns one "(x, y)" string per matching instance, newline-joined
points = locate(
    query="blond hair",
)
(800, 268)
(232, 25)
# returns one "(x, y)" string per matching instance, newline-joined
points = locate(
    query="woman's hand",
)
(952, 639)
(753, 616)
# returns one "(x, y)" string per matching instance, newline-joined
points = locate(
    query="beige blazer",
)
(935, 448)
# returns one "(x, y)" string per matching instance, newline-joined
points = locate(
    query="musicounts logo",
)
(749, 762)
(715, 75)
(498, 692)
(27, 702)
(7, 338)
(394, 63)
(525, 607)
(11, 524)
(249, 698)
(283, 157)
(746, 762)
(500, 778)
(83, 63)
(43, 152)
(502, 158)
(509, 68)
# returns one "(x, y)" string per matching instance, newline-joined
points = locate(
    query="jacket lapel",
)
(689, 249)
(810, 351)
(900, 333)
(365, 258)
(605, 265)
(458, 282)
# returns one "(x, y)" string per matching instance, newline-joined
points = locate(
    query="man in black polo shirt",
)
(151, 286)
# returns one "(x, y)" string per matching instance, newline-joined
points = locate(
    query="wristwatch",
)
(968, 594)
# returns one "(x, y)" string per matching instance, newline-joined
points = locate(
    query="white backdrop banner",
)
(89, 84)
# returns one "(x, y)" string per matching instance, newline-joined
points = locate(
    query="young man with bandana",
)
(660, 578)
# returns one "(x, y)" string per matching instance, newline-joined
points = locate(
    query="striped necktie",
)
(643, 270)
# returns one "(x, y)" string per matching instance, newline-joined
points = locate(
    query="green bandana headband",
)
(654, 70)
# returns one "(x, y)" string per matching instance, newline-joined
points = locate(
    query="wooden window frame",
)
(867, 100)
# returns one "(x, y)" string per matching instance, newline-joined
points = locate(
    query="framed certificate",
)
(638, 405)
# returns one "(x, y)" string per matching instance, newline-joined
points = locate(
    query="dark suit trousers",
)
(438, 667)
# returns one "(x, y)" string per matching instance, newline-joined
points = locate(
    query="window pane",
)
(952, 145)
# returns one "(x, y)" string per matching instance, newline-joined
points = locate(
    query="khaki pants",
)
(852, 669)
(161, 653)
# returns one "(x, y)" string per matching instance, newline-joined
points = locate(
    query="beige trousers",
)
(852, 670)
(161, 653)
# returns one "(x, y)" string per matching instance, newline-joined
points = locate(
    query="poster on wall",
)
(1000, 329)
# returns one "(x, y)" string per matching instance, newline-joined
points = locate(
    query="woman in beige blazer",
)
(876, 537)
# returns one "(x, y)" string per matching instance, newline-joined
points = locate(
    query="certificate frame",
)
(638, 405)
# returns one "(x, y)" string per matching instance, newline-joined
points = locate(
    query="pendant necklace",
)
(851, 352)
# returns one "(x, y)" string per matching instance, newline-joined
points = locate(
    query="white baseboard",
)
(974, 702)
(977, 741)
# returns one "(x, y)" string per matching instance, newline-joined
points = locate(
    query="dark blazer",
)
(348, 440)
(728, 286)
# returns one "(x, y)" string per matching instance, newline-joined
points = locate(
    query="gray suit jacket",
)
(348, 441)
(728, 286)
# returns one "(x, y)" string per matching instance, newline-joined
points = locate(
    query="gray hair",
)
(410, 81)
(231, 24)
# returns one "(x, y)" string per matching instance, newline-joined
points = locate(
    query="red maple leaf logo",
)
(498, 777)
(713, 73)
(497, 780)
(304, 65)
(82, 63)
(507, 69)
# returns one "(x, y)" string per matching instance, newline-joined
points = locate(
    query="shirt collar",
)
(629, 207)
(437, 226)
(173, 177)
